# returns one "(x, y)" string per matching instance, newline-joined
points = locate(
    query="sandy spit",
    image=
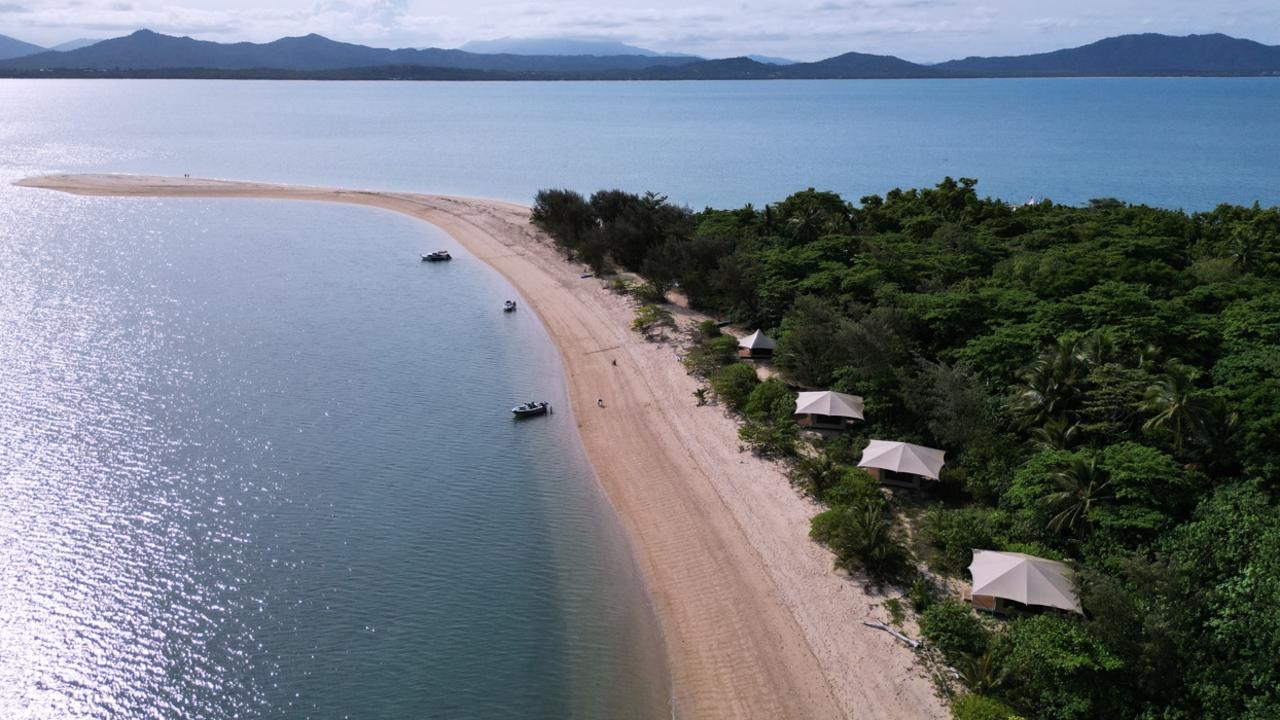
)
(756, 623)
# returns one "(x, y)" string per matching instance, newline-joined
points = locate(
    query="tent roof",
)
(903, 457)
(829, 403)
(1025, 578)
(757, 341)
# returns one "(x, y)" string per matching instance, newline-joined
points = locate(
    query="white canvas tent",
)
(829, 404)
(757, 341)
(902, 457)
(1023, 578)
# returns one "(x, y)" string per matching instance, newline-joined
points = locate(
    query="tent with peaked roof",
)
(827, 409)
(900, 457)
(757, 345)
(1022, 578)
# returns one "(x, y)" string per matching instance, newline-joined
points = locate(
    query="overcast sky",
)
(921, 30)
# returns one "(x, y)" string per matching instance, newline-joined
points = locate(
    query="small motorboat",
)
(531, 408)
(437, 256)
(509, 306)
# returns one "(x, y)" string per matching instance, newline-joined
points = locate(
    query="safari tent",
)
(827, 410)
(757, 346)
(899, 463)
(1024, 579)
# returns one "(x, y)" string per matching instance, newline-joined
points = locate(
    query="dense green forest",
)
(1105, 381)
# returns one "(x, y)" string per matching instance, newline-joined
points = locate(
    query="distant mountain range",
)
(562, 46)
(771, 60)
(12, 48)
(148, 54)
(149, 51)
(75, 44)
(1149, 54)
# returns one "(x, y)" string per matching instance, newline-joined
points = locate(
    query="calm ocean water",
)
(256, 459)
(1174, 142)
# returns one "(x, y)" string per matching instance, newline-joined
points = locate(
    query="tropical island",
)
(1103, 380)
(1100, 379)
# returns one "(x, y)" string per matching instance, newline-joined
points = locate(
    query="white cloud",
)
(916, 29)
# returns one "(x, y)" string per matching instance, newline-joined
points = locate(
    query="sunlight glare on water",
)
(257, 460)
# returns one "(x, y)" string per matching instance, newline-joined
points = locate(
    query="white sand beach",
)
(757, 623)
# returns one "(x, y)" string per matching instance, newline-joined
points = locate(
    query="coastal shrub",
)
(710, 355)
(815, 474)
(987, 463)
(897, 614)
(771, 401)
(564, 215)
(954, 629)
(955, 533)
(981, 707)
(646, 292)
(862, 538)
(652, 321)
(853, 487)
(770, 438)
(1057, 669)
(708, 329)
(922, 593)
(733, 384)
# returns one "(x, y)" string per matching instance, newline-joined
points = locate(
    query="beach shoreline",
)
(755, 622)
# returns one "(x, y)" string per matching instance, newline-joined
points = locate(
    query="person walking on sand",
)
(599, 402)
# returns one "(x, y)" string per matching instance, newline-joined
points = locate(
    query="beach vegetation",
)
(955, 630)
(981, 707)
(647, 292)
(1105, 381)
(653, 321)
(704, 357)
(897, 613)
(733, 384)
(770, 427)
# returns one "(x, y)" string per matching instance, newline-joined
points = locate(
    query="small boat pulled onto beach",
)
(437, 256)
(509, 306)
(531, 409)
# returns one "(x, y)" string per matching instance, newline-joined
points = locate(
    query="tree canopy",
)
(1105, 380)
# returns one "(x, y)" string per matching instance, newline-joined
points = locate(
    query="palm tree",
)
(1177, 407)
(819, 474)
(1094, 349)
(1217, 431)
(1056, 434)
(1051, 384)
(982, 674)
(869, 540)
(806, 225)
(1080, 490)
(1246, 247)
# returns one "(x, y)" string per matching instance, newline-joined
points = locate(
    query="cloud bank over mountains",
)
(922, 30)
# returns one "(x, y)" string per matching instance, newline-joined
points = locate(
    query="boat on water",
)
(531, 408)
(509, 306)
(437, 256)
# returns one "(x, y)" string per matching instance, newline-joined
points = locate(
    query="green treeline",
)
(1105, 381)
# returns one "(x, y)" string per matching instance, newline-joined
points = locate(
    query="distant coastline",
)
(430, 74)
(145, 55)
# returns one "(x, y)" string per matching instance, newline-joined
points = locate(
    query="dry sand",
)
(757, 623)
